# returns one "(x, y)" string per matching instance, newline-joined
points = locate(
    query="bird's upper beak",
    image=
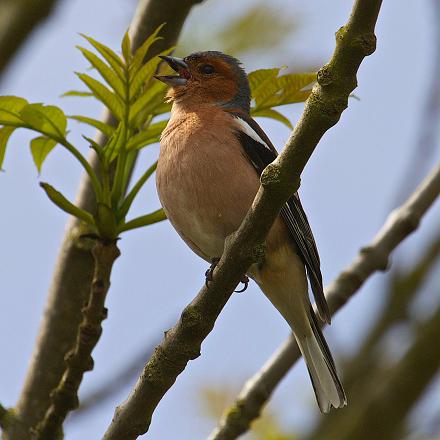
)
(179, 66)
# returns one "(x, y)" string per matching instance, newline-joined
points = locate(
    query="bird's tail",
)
(321, 366)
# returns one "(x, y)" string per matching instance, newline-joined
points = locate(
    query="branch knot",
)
(325, 76)
(365, 42)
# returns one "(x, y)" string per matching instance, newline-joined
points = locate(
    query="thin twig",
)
(64, 398)
(279, 181)
(400, 223)
(73, 270)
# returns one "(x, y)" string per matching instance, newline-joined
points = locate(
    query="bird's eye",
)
(207, 69)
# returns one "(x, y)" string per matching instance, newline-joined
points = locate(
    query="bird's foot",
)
(245, 281)
(210, 271)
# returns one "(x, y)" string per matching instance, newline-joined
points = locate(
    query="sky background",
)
(348, 187)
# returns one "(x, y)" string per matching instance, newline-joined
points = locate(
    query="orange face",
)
(206, 77)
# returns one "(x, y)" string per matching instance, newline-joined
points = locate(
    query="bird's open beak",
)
(179, 66)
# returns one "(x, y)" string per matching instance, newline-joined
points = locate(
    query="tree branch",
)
(380, 413)
(73, 270)
(279, 181)
(400, 223)
(3, 416)
(64, 398)
(17, 20)
(114, 383)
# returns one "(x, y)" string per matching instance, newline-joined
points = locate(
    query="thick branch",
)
(278, 182)
(18, 19)
(64, 398)
(400, 223)
(73, 274)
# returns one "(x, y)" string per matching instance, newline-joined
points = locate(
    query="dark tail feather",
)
(328, 388)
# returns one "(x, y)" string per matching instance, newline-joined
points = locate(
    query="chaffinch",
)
(211, 156)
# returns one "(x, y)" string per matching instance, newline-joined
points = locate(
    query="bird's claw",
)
(245, 281)
(210, 271)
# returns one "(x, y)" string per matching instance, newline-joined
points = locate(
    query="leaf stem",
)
(83, 161)
(144, 220)
(134, 191)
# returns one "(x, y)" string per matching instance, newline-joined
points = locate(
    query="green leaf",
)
(64, 204)
(146, 103)
(76, 93)
(291, 88)
(5, 133)
(95, 146)
(101, 126)
(161, 108)
(126, 48)
(139, 55)
(145, 220)
(148, 136)
(115, 143)
(105, 71)
(47, 119)
(273, 114)
(259, 80)
(10, 108)
(145, 74)
(109, 55)
(40, 147)
(103, 94)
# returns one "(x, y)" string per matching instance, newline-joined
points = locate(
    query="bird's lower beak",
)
(179, 66)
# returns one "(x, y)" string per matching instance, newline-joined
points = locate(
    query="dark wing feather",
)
(261, 155)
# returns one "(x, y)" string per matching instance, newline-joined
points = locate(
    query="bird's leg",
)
(210, 271)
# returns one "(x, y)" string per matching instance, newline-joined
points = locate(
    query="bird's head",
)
(208, 77)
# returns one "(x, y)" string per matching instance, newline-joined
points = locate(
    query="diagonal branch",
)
(400, 223)
(73, 270)
(279, 181)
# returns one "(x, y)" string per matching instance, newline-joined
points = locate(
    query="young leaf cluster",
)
(128, 90)
(270, 90)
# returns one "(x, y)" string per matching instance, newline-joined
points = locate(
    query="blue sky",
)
(347, 189)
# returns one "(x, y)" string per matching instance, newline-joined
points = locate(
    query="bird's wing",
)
(261, 153)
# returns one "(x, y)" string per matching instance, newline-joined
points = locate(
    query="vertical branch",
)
(70, 285)
(64, 397)
(18, 19)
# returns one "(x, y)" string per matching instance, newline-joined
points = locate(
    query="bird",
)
(212, 154)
